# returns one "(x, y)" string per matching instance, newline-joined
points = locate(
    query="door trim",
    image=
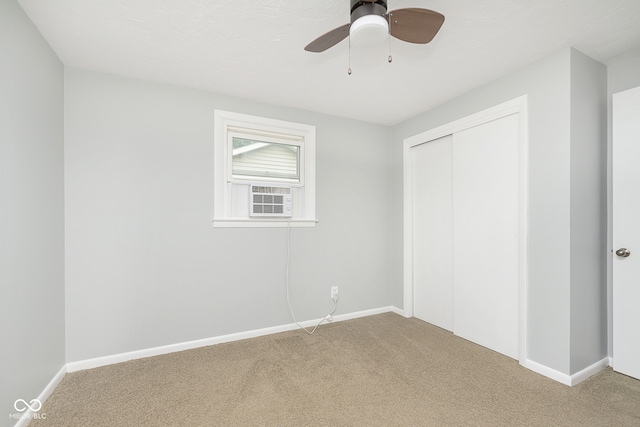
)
(515, 106)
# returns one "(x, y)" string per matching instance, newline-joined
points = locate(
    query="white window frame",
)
(226, 122)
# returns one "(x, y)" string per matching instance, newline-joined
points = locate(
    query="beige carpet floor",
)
(381, 370)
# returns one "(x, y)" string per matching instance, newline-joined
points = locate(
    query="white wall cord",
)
(335, 301)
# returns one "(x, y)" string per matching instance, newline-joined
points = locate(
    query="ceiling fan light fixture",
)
(372, 24)
(369, 30)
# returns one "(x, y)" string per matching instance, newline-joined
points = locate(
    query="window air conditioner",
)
(270, 201)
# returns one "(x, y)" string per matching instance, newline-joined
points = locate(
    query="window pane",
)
(265, 159)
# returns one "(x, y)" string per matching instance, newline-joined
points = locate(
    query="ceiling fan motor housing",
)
(360, 8)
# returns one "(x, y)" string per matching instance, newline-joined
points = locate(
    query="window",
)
(259, 155)
(264, 158)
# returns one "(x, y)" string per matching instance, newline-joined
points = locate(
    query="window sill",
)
(263, 223)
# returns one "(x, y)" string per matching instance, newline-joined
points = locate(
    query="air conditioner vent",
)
(270, 201)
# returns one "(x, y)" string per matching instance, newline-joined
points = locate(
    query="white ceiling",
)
(254, 49)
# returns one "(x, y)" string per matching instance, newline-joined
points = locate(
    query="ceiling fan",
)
(371, 24)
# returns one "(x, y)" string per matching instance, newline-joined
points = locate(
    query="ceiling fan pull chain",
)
(349, 70)
(389, 38)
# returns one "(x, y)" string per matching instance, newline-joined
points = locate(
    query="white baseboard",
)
(156, 351)
(357, 314)
(566, 379)
(398, 311)
(44, 395)
(547, 372)
(582, 375)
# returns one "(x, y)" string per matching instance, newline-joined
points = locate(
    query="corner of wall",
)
(32, 273)
(588, 197)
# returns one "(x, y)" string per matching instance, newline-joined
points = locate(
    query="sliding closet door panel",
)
(485, 234)
(432, 232)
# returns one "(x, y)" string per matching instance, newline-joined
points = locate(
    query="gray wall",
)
(588, 211)
(144, 265)
(549, 87)
(622, 73)
(31, 212)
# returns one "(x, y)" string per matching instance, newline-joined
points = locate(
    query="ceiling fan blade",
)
(415, 25)
(329, 39)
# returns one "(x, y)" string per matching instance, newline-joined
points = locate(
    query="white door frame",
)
(515, 106)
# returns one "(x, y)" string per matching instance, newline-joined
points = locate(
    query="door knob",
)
(623, 252)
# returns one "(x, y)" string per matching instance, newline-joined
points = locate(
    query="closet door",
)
(433, 232)
(485, 234)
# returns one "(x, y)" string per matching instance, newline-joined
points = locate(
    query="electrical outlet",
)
(334, 293)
